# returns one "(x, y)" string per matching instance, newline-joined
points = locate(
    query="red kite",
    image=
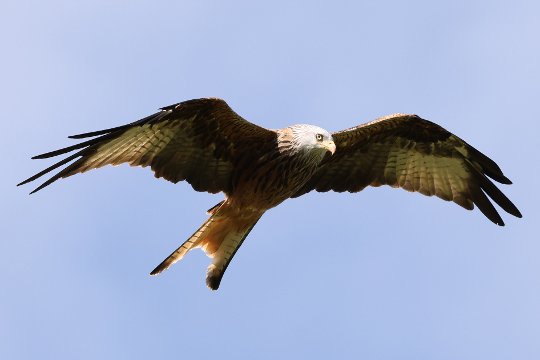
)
(206, 143)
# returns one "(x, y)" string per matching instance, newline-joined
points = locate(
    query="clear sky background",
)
(383, 274)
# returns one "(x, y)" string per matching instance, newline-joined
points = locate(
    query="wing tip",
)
(504, 180)
(29, 180)
(45, 184)
(26, 182)
(496, 219)
(33, 191)
(517, 213)
(41, 156)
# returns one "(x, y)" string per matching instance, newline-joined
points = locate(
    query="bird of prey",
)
(204, 142)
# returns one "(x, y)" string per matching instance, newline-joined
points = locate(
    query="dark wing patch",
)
(417, 155)
(197, 140)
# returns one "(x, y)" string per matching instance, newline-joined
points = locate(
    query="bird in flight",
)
(204, 142)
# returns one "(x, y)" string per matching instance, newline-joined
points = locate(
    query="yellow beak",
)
(330, 146)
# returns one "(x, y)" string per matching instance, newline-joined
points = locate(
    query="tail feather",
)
(191, 243)
(214, 208)
(219, 237)
(224, 255)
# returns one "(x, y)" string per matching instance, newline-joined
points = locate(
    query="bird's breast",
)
(269, 182)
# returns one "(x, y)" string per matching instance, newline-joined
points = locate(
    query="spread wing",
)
(417, 155)
(197, 140)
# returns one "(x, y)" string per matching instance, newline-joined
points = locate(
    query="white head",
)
(306, 138)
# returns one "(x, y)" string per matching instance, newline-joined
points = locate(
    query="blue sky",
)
(383, 274)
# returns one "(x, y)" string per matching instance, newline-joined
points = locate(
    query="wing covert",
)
(197, 140)
(417, 155)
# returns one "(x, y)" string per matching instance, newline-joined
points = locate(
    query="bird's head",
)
(307, 138)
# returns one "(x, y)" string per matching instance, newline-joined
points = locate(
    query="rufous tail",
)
(220, 237)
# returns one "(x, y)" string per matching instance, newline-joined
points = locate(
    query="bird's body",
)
(205, 143)
(276, 173)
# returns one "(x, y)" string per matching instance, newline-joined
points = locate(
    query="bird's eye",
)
(319, 137)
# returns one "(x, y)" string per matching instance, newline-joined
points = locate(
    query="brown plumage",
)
(205, 143)
(417, 155)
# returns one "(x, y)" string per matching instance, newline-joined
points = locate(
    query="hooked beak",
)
(330, 146)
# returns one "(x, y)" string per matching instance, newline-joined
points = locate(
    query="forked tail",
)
(220, 237)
